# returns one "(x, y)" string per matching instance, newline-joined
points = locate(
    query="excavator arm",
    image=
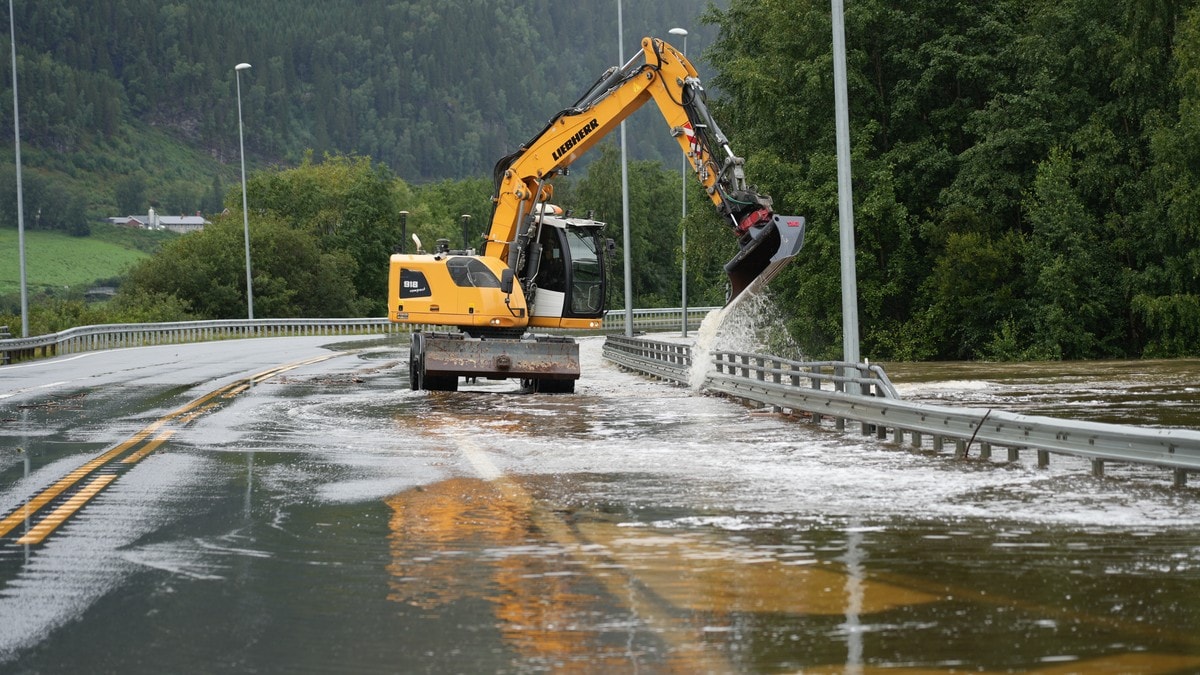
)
(660, 73)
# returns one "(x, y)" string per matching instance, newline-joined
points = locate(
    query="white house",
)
(153, 221)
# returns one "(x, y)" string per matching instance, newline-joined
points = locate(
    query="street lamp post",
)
(628, 256)
(237, 72)
(20, 193)
(850, 346)
(683, 211)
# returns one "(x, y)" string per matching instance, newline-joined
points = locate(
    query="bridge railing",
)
(114, 336)
(818, 392)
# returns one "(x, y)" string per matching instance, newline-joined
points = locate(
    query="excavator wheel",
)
(441, 383)
(418, 379)
(548, 386)
(414, 364)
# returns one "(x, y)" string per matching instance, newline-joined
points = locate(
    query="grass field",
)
(59, 261)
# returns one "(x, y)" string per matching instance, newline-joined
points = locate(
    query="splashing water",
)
(751, 323)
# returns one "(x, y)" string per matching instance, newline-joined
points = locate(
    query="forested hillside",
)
(1026, 172)
(118, 95)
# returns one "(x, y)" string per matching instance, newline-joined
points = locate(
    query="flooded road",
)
(304, 511)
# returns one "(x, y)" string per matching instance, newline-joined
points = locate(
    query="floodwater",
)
(1157, 393)
(329, 520)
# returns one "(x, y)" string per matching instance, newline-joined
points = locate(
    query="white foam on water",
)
(751, 323)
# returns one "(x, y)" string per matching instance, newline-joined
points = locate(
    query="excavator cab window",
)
(587, 272)
(572, 263)
(552, 272)
(471, 273)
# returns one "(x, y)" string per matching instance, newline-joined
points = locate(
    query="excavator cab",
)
(570, 281)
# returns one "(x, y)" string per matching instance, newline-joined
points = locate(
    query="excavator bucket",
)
(766, 250)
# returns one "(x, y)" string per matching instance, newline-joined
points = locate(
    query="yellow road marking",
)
(180, 415)
(195, 414)
(149, 447)
(47, 495)
(69, 507)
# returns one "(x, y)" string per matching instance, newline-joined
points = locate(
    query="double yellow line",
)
(107, 467)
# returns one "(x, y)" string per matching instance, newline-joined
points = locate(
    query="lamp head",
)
(241, 66)
(678, 31)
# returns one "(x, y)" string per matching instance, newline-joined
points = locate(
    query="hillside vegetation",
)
(59, 262)
(127, 104)
(1026, 173)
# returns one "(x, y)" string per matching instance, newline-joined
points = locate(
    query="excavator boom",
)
(663, 74)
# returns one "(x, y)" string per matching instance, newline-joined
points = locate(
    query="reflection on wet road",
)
(326, 519)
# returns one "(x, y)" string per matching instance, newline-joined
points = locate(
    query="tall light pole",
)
(845, 195)
(683, 210)
(237, 73)
(20, 196)
(625, 193)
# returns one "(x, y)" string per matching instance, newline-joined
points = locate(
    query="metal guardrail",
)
(113, 336)
(816, 390)
(656, 319)
(672, 361)
(664, 360)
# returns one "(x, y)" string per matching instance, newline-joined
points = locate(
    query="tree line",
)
(321, 234)
(1026, 177)
(120, 90)
(1025, 172)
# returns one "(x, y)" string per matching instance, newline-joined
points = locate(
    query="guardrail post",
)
(1097, 468)
(985, 451)
(814, 383)
(1014, 454)
(1043, 458)
(776, 378)
(1180, 478)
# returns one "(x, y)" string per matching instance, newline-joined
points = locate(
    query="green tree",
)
(348, 205)
(438, 209)
(205, 273)
(653, 224)
(130, 194)
(1166, 298)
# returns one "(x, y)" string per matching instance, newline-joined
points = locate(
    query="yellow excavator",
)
(542, 268)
